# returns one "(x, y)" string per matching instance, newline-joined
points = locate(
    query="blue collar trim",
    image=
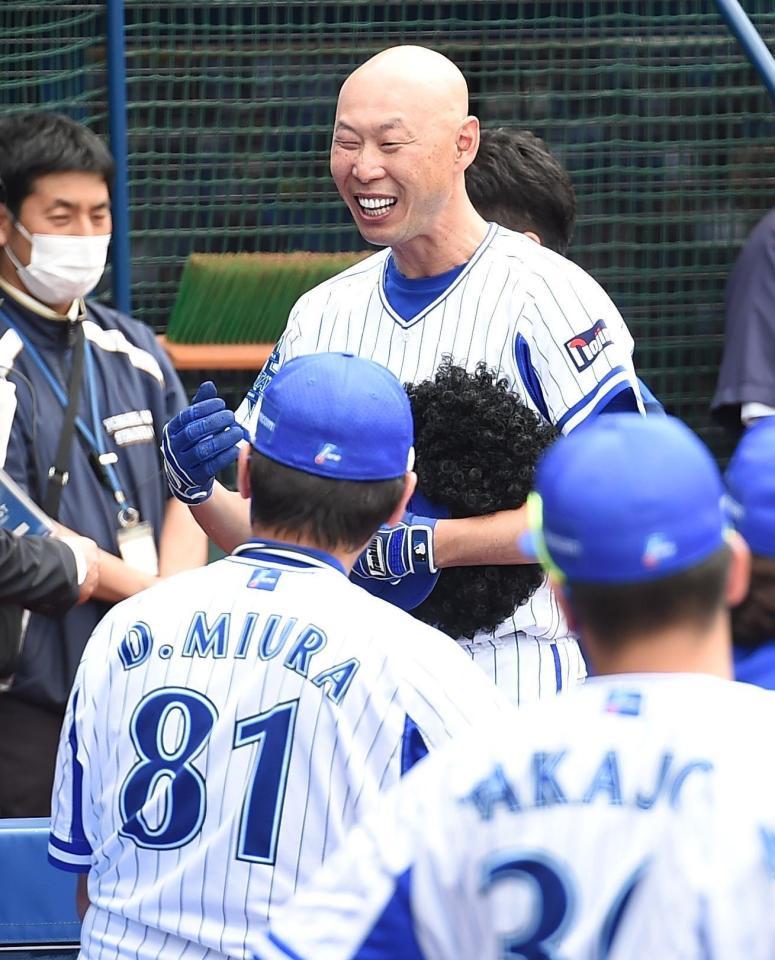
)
(286, 554)
(492, 229)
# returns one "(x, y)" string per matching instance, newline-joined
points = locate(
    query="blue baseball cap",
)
(625, 499)
(337, 416)
(750, 480)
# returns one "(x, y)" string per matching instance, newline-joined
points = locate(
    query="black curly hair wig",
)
(477, 446)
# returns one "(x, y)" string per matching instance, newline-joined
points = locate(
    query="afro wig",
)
(477, 446)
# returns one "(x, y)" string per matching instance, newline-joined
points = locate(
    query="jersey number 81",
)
(163, 800)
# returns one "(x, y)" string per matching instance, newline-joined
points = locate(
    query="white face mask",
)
(61, 268)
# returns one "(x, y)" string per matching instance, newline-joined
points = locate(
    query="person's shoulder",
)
(537, 261)
(118, 333)
(363, 274)
(164, 600)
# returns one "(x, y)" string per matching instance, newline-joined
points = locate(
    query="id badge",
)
(137, 548)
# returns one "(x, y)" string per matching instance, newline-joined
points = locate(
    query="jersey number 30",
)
(163, 800)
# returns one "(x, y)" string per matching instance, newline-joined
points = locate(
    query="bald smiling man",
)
(444, 283)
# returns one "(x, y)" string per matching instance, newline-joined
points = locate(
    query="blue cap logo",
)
(658, 548)
(335, 415)
(328, 453)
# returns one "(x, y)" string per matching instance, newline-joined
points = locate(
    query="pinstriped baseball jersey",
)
(224, 731)
(530, 844)
(718, 864)
(531, 315)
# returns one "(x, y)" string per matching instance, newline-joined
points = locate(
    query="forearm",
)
(481, 541)
(37, 573)
(118, 580)
(182, 545)
(224, 517)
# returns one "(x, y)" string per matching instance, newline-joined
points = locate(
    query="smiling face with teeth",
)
(401, 144)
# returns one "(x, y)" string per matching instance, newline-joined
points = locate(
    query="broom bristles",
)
(246, 297)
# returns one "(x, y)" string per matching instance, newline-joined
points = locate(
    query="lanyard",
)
(102, 460)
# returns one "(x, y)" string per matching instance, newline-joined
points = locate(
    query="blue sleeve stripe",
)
(529, 376)
(413, 747)
(77, 847)
(283, 947)
(590, 398)
(393, 932)
(77, 781)
(67, 866)
(557, 667)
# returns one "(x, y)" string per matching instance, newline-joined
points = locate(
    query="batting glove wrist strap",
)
(197, 443)
(395, 552)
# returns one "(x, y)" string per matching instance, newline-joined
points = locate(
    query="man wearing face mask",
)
(84, 393)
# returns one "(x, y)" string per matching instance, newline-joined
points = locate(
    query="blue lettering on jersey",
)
(246, 636)
(268, 646)
(202, 640)
(217, 641)
(493, 791)
(339, 677)
(264, 579)
(543, 787)
(310, 640)
(768, 842)
(135, 648)
(647, 802)
(694, 766)
(606, 781)
(547, 790)
(265, 377)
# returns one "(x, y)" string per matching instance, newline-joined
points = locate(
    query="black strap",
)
(58, 475)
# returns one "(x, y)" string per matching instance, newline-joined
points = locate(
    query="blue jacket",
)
(137, 391)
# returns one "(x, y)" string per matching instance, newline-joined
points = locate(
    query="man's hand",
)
(197, 443)
(395, 552)
(87, 564)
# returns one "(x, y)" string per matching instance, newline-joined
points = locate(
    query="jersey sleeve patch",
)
(585, 347)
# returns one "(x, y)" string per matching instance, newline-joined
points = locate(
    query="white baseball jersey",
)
(709, 891)
(531, 844)
(535, 318)
(224, 731)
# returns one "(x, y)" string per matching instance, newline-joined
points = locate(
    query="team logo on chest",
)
(585, 347)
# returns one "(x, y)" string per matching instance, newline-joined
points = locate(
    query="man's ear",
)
(739, 576)
(410, 482)
(6, 224)
(243, 471)
(467, 142)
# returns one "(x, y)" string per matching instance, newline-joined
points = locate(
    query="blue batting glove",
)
(197, 443)
(395, 552)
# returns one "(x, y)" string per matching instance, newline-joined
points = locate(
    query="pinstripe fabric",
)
(511, 291)
(526, 843)
(201, 897)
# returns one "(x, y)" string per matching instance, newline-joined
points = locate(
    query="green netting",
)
(665, 129)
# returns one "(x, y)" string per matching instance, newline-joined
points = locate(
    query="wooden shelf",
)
(216, 356)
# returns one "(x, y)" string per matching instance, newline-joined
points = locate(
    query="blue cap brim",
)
(528, 545)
